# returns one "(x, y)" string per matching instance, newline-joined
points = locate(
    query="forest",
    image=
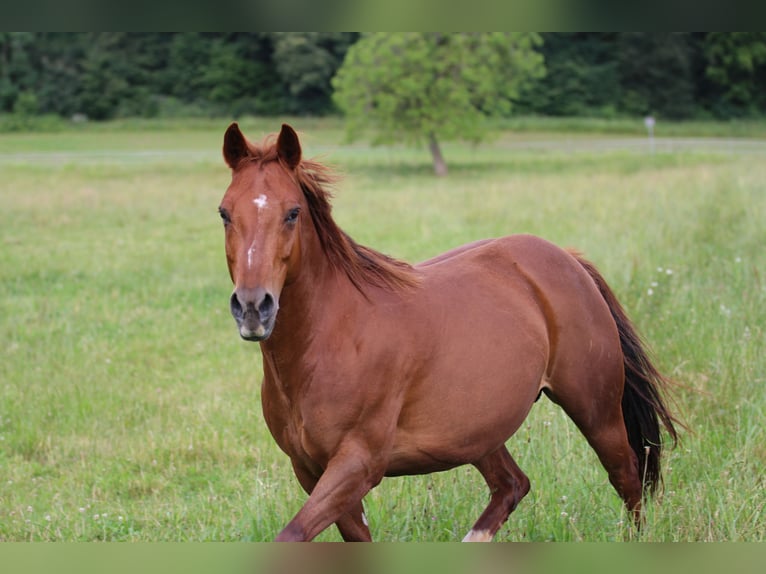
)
(106, 75)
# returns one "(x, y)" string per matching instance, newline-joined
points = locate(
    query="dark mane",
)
(363, 266)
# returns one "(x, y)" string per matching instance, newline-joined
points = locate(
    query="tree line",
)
(115, 74)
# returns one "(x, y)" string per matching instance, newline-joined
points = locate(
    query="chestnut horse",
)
(373, 367)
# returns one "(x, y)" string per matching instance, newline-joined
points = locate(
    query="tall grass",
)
(130, 408)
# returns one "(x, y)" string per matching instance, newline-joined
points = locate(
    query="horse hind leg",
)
(621, 463)
(599, 418)
(507, 484)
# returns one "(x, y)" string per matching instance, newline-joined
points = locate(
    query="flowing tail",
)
(643, 408)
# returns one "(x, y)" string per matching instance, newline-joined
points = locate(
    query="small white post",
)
(649, 123)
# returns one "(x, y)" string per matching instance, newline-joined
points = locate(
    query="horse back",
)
(506, 318)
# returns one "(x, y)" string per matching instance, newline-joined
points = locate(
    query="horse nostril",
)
(266, 308)
(253, 304)
(236, 306)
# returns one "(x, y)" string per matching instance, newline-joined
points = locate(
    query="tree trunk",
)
(440, 166)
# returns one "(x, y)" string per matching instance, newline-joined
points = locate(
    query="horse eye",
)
(292, 215)
(224, 216)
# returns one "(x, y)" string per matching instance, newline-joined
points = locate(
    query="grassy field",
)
(129, 408)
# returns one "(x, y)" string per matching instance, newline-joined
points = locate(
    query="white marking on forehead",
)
(250, 255)
(261, 201)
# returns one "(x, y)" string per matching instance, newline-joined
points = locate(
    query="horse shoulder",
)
(358, 385)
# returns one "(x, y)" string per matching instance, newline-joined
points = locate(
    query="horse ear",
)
(234, 146)
(288, 147)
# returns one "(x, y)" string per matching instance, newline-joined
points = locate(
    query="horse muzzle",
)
(255, 311)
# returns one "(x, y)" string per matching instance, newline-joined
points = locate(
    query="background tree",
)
(17, 74)
(736, 64)
(433, 87)
(581, 77)
(60, 62)
(230, 78)
(655, 74)
(222, 74)
(306, 62)
(105, 81)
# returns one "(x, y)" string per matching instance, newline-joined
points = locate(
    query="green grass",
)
(130, 408)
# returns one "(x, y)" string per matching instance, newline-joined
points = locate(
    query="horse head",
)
(261, 211)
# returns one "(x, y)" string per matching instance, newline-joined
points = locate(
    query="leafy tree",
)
(261, 92)
(61, 68)
(117, 73)
(17, 75)
(581, 76)
(306, 62)
(103, 82)
(736, 63)
(655, 74)
(189, 53)
(432, 86)
(228, 75)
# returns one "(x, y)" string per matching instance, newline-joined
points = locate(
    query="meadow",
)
(129, 407)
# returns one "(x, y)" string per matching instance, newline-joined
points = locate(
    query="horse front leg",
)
(352, 525)
(349, 476)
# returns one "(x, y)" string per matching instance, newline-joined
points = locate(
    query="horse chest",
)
(309, 416)
(280, 409)
(287, 412)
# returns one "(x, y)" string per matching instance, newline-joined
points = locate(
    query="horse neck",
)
(305, 301)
